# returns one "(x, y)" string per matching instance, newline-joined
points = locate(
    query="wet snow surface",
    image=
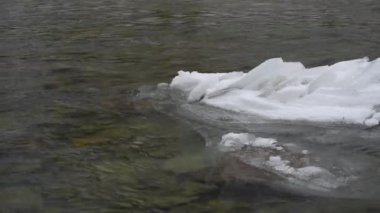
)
(311, 131)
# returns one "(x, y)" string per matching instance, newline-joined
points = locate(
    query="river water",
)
(75, 136)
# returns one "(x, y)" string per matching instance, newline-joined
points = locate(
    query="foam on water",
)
(347, 91)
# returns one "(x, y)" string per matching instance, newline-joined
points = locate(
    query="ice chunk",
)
(314, 177)
(266, 154)
(236, 141)
(276, 163)
(347, 91)
(282, 166)
(371, 122)
(196, 83)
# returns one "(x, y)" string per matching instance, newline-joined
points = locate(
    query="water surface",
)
(73, 136)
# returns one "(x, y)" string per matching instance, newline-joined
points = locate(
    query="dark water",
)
(73, 138)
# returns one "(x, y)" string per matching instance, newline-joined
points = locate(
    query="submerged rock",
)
(271, 161)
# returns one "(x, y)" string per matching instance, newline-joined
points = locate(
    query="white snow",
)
(347, 91)
(236, 141)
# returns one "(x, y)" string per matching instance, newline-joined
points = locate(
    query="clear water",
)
(74, 138)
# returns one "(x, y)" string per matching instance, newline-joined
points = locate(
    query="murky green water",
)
(74, 139)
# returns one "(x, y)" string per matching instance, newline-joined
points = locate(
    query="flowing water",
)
(76, 135)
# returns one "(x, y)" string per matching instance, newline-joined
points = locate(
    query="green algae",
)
(227, 206)
(217, 206)
(96, 134)
(20, 199)
(148, 186)
(185, 163)
(151, 168)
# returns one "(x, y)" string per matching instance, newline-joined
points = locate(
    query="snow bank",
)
(347, 91)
